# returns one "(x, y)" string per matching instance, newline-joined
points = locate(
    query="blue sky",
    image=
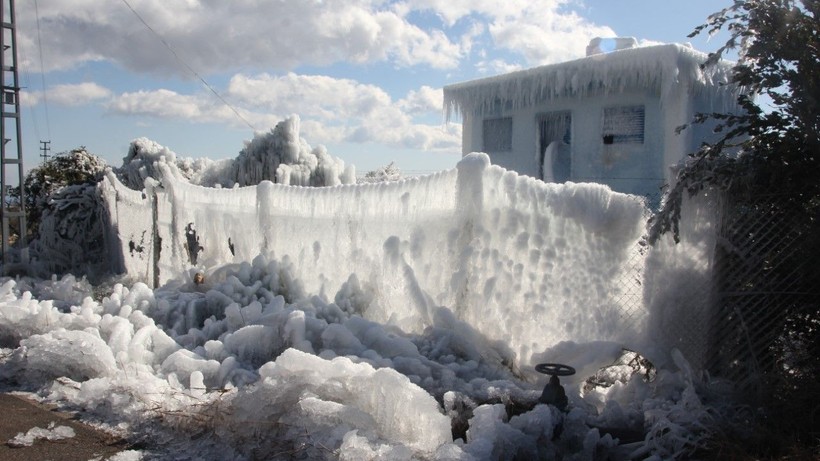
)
(365, 76)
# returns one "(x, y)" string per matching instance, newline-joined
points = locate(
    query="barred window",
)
(497, 134)
(623, 124)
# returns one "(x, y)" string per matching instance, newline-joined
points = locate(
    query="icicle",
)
(657, 69)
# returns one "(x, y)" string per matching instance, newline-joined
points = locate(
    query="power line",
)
(181, 61)
(42, 68)
(27, 84)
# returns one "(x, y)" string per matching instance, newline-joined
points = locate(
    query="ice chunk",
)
(78, 355)
(35, 433)
(382, 404)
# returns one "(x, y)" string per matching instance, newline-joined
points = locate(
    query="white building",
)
(610, 117)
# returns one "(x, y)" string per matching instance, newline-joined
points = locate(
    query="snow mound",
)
(252, 373)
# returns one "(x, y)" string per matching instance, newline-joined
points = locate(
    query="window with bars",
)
(623, 125)
(497, 134)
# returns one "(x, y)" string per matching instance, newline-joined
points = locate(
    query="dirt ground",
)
(18, 415)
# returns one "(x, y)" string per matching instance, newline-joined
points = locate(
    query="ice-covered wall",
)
(130, 238)
(528, 264)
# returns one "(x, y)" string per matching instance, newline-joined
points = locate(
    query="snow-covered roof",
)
(655, 68)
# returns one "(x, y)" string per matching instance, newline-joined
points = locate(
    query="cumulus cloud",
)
(313, 95)
(423, 100)
(541, 31)
(346, 110)
(496, 66)
(78, 94)
(332, 110)
(70, 94)
(214, 35)
(266, 44)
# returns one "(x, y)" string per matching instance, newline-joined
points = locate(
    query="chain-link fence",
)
(752, 317)
(766, 318)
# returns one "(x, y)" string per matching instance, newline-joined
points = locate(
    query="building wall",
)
(632, 168)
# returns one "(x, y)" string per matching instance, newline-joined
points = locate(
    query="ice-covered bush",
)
(387, 173)
(65, 214)
(75, 167)
(70, 237)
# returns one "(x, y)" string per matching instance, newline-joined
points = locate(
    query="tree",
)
(778, 42)
(767, 161)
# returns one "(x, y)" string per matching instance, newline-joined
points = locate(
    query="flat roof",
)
(657, 68)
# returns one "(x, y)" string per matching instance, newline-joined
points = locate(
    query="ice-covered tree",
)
(387, 173)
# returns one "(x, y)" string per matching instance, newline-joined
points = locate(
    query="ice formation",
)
(53, 432)
(660, 70)
(70, 232)
(491, 246)
(241, 372)
(387, 173)
(283, 157)
(396, 320)
(280, 156)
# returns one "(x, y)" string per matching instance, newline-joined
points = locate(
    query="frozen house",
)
(610, 117)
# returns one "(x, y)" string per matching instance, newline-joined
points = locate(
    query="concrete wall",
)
(639, 169)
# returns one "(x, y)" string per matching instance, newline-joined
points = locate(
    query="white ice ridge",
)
(657, 69)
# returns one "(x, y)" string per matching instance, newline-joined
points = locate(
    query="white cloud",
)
(332, 110)
(260, 35)
(77, 94)
(496, 66)
(317, 96)
(346, 110)
(423, 100)
(69, 94)
(167, 104)
(541, 31)
(214, 35)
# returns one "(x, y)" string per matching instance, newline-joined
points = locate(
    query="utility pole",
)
(11, 149)
(45, 147)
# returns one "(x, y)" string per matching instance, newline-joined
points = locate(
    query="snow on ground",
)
(53, 432)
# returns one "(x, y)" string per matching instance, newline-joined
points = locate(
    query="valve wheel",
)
(555, 369)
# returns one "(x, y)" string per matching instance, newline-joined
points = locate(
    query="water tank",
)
(600, 45)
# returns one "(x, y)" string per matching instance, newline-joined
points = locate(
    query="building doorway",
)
(555, 146)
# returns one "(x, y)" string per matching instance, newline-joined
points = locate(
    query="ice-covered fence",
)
(525, 263)
(130, 239)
